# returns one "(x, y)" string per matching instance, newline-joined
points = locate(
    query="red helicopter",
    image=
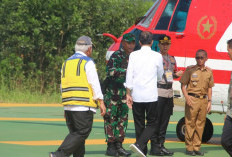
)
(192, 25)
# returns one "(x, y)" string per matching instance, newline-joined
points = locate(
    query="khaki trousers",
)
(195, 117)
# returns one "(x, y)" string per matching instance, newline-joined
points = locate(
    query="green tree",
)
(38, 35)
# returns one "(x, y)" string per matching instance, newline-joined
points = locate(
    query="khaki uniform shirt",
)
(169, 63)
(198, 81)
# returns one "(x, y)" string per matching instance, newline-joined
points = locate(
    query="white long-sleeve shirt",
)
(93, 80)
(144, 69)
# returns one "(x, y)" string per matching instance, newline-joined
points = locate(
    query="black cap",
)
(165, 39)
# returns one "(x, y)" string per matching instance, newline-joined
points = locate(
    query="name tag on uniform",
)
(194, 75)
(169, 76)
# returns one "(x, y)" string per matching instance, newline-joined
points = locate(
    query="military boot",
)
(121, 151)
(156, 149)
(111, 149)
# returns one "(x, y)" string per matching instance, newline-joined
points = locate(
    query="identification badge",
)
(194, 84)
(169, 76)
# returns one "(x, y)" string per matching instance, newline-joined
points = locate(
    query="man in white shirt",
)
(145, 68)
(80, 91)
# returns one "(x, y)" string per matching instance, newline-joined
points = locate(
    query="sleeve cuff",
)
(127, 86)
(98, 97)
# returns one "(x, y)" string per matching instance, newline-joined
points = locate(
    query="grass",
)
(26, 96)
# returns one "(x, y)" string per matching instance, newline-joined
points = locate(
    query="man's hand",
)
(129, 101)
(102, 108)
(209, 106)
(187, 97)
(179, 73)
(188, 100)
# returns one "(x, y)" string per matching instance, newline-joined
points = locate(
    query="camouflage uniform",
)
(116, 118)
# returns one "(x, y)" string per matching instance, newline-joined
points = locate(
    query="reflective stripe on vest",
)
(75, 99)
(75, 87)
(78, 67)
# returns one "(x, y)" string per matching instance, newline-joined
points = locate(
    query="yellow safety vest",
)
(75, 87)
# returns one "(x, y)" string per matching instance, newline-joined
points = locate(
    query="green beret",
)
(128, 37)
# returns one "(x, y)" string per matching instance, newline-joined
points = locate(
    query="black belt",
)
(197, 96)
(165, 86)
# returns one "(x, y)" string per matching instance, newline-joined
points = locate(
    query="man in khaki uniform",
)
(196, 84)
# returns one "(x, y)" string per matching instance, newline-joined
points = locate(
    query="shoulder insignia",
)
(208, 69)
(172, 59)
(190, 67)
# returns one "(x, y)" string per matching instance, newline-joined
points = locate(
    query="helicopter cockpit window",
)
(179, 19)
(149, 15)
(166, 15)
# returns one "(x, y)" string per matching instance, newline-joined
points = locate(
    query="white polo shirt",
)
(144, 69)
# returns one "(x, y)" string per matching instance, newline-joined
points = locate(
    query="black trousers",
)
(142, 111)
(226, 139)
(79, 124)
(165, 110)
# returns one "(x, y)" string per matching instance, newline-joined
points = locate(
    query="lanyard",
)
(168, 76)
(167, 61)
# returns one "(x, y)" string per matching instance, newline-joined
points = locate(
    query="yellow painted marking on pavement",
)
(31, 119)
(33, 143)
(61, 120)
(218, 124)
(88, 142)
(172, 122)
(29, 105)
(55, 105)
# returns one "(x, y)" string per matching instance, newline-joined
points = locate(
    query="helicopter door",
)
(173, 19)
(180, 16)
(163, 23)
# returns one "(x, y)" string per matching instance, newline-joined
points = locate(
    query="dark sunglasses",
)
(200, 58)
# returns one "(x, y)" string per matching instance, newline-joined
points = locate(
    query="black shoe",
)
(111, 149)
(145, 150)
(199, 153)
(52, 154)
(121, 150)
(156, 149)
(191, 153)
(135, 148)
(152, 153)
(166, 151)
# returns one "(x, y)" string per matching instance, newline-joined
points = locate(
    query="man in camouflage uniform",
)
(116, 117)
(227, 129)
